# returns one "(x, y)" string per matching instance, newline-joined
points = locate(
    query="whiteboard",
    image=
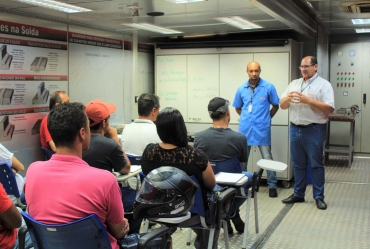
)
(189, 82)
(203, 85)
(90, 68)
(275, 69)
(233, 73)
(171, 78)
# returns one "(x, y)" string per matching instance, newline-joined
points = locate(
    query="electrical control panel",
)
(346, 71)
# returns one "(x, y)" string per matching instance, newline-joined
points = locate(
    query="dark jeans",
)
(266, 154)
(308, 144)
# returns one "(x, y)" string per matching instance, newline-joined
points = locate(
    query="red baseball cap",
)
(97, 111)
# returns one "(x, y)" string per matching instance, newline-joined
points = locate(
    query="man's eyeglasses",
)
(305, 67)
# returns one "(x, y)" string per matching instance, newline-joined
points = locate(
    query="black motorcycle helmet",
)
(165, 192)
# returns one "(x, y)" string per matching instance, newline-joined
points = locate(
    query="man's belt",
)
(303, 126)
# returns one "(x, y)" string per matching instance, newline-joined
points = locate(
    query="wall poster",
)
(33, 65)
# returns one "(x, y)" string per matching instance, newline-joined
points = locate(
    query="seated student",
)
(105, 151)
(75, 189)
(175, 151)
(221, 143)
(137, 135)
(10, 220)
(7, 157)
(56, 98)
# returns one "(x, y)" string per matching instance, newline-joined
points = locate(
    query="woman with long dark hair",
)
(175, 151)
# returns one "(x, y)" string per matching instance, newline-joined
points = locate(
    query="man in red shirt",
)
(10, 219)
(55, 99)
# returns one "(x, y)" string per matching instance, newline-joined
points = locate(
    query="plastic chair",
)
(7, 178)
(134, 160)
(232, 165)
(47, 153)
(129, 188)
(224, 204)
(198, 210)
(129, 193)
(88, 232)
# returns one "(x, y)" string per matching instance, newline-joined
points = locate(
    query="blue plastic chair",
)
(224, 201)
(88, 232)
(7, 178)
(142, 176)
(128, 193)
(134, 160)
(47, 153)
(199, 209)
(232, 165)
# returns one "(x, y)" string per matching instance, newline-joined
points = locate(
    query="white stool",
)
(271, 165)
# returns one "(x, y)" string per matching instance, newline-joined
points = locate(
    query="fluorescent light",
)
(185, 1)
(153, 28)
(362, 30)
(360, 21)
(59, 6)
(238, 22)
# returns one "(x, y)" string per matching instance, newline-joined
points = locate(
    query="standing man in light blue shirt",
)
(252, 102)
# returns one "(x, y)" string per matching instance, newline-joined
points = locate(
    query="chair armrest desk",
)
(121, 178)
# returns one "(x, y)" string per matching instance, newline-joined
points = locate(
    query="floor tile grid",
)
(345, 224)
(268, 208)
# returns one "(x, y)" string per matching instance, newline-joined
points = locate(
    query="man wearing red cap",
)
(104, 152)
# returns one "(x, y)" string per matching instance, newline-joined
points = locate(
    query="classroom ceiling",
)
(196, 19)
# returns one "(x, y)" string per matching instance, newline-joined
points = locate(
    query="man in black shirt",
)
(105, 151)
(220, 143)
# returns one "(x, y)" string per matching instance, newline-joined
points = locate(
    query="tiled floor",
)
(345, 224)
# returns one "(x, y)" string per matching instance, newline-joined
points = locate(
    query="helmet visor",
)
(152, 194)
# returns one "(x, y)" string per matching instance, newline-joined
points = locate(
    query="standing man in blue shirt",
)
(252, 102)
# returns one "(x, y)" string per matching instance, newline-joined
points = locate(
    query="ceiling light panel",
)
(360, 21)
(50, 4)
(238, 22)
(186, 1)
(362, 30)
(152, 28)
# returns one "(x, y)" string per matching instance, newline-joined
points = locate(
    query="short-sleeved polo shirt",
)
(256, 125)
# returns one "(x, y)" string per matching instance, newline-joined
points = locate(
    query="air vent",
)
(356, 7)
